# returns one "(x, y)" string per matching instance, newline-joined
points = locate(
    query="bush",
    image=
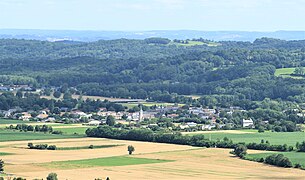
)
(240, 150)
(278, 160)
(52, 176)
(91, 147)
(52, 147)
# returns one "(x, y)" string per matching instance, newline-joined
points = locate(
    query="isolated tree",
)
(1, 166)
(57, 94)
(130, 149)
(110, 121)
(240, 150)
(52, 176)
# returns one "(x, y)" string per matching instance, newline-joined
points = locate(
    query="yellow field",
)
(188, 162)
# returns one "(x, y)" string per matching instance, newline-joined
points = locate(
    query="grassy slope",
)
(8, 135)
(295, 157)
(289, 138)
(107, 161)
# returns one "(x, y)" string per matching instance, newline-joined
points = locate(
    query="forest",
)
(158, 69)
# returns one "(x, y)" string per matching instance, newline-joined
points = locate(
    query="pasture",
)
(249, 136)
(149, 161)
(9, 135)
(294, 157)
(286, 72)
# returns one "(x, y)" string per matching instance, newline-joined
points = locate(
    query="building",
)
(248, 123)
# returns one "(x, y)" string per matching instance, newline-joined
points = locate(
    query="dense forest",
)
(230, 73)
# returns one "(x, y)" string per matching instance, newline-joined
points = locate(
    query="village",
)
(169, 117)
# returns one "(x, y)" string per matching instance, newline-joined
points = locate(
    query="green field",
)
(13, 121)
(72, 131)
(277, 138)
(9, 135)
(86, 147)
(294, 157)
(286, 72)
(107, 161)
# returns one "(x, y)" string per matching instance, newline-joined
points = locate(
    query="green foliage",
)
(1, 166)
(52, 176)
(110, 121)
(240, 150)
(130, 149)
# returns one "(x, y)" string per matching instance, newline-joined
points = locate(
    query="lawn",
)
(286, 72)
(9, 135)
(294, 157)
(278, 138)
(106, 161)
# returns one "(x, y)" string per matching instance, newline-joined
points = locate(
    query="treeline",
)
(41, 146)
(175, 138)
(31, 101)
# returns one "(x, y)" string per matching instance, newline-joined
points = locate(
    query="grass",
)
(286, 72)
(294, 157)
(5, 153)
(13, 121)
(73, 130)
(87, 147)
(106, 161)
(9, 135)
(277, 138)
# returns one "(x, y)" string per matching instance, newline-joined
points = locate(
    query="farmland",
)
(249, 136)
(8, 135)
(160, 161)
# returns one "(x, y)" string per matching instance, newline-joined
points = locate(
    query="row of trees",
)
(175, 138)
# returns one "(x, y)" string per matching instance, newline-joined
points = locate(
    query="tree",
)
(57, 94)
(130, 149)
(110, 121)
(52, 176)
(1, 166)
(240, 150)
(19, 94)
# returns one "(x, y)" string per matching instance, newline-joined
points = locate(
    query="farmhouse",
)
(248, 123)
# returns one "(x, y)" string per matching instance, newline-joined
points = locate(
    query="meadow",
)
(249, 136)
(286, 72)
(294, 157)
(9, 135)
(106, 161)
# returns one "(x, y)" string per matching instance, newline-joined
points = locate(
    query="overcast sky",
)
(249, 15)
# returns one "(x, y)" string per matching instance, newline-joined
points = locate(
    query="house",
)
(94, 123)
(248, 123)
(25, 116)
(208, 126)
(42, 115)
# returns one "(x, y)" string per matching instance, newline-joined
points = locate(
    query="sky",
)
(135, 15)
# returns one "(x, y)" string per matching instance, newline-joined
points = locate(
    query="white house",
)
(248, 123)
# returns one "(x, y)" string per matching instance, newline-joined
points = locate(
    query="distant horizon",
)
(139, 15)
(97, 30)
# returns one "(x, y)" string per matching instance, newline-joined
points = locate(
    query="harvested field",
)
(183, 162)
